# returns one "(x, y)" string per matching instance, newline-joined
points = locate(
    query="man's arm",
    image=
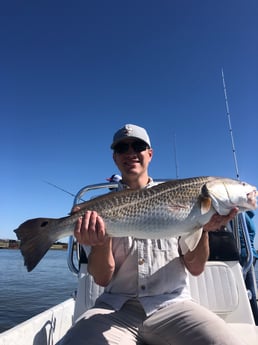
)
(195, 260)
(101, 264)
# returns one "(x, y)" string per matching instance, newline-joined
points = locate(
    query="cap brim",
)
(122, 139)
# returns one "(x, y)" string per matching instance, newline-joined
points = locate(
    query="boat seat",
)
(215, 288)
(221, 289)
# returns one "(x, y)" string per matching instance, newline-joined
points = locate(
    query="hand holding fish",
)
(90, 229)
(195, 260)
(217, 221)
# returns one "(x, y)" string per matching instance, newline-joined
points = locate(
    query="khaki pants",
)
(181, 323)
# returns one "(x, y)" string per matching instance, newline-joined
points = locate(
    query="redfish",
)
(171, 209)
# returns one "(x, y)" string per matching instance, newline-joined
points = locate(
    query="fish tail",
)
(35, 240)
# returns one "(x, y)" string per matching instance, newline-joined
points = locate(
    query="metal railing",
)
(249, 253)
(73, 254)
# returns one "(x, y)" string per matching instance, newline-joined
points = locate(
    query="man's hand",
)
(90, 229)
(217, 221)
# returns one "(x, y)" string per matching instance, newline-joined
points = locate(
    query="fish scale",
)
(174, 208)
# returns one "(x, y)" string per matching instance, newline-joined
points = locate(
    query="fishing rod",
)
(114, 178)
(175, 152)
(62, 189)
(249, 260)
(230, 126)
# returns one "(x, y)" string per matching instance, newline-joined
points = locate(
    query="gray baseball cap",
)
(130, 131)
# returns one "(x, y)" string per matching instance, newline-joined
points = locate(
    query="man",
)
(146, 298)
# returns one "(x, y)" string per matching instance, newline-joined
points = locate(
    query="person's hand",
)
(90, 229)
(217, 221)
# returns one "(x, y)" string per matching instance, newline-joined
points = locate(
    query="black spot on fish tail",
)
(35, 240)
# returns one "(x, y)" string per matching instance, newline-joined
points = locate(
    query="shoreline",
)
(56, 246)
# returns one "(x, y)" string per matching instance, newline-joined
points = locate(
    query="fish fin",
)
(205, 204)
(35, 240)
(190, 241)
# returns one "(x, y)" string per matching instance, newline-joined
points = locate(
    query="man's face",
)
(132, 157)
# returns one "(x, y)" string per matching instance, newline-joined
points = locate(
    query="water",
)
(23, 294)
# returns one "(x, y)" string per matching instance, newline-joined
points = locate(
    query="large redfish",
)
(170, 209)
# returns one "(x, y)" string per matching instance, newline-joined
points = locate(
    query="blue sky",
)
(73, 72)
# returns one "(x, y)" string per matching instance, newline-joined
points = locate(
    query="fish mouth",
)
(252, 198)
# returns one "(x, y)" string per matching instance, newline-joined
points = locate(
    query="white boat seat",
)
(217, 277)
(220, 288)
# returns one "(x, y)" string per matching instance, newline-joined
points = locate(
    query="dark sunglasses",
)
(138, 146)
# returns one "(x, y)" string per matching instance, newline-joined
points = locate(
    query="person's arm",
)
(90, 230)
(195, 260)
(101, 264)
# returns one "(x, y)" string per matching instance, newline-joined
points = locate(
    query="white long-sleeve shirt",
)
(149, 270)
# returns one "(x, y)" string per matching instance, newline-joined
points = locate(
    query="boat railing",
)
(73, 256)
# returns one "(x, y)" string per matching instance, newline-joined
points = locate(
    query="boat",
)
(220, 288)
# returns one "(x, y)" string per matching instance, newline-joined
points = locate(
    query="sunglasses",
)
(138, 146)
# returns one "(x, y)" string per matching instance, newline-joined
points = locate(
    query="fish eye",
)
(44, 224)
